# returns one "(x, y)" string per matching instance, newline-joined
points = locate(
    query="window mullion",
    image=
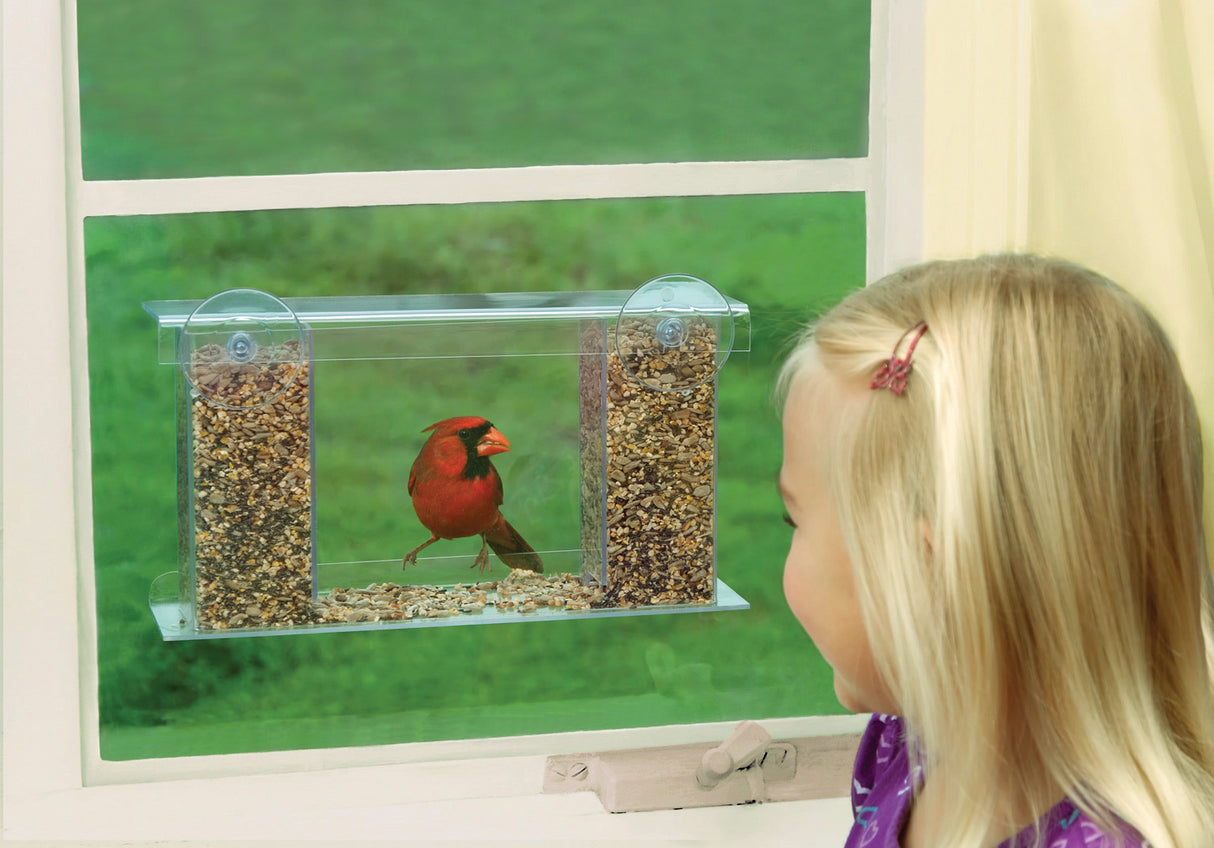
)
(392, 188)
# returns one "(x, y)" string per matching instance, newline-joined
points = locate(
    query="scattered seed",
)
(522, 591)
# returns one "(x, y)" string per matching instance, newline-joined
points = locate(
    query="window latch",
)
(747, 768)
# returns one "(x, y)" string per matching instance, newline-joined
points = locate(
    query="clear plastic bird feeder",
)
(649, 443)
(629, 379)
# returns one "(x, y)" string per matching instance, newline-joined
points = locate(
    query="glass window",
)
(236, 88)
(314, 690)
(302, 86)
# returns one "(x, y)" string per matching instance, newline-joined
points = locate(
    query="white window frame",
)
(54, 783)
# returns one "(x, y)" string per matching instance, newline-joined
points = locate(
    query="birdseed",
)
(657, 475)
(252, 490)
(591, 412)
(522, 591)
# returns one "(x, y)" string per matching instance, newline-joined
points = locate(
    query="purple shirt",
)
(881, 795)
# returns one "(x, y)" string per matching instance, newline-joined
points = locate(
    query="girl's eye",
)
(788, 520)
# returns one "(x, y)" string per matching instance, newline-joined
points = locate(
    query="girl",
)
(993, 469)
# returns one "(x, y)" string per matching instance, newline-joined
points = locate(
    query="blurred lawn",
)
(785, 255)
(173, 88)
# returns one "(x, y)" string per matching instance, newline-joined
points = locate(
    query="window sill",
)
(374, 803)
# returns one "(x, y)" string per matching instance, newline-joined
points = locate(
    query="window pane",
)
(785, 255)
(298, 86)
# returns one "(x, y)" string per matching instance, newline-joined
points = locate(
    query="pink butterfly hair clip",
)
(893, 372)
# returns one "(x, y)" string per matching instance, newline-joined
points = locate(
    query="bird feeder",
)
(253, 376)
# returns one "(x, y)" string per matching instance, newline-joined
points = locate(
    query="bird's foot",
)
(482, 559)
(411, 557)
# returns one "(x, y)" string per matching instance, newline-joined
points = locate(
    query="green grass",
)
(231, 111)
(291, 86)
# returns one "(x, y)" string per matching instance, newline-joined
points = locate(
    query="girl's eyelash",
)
(788, 520)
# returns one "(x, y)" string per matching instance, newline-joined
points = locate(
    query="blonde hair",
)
(1025, 527)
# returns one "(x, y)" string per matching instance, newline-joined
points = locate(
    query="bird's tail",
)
(512, 548)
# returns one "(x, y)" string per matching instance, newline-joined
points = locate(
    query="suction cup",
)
(242, 348)
(674, 333)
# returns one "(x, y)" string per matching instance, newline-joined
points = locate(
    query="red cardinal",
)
(456, 492)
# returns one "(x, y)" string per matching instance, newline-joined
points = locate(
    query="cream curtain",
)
(1120, 157)
(1083, 129)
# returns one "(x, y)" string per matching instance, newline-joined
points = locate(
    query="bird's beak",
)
(491, 443)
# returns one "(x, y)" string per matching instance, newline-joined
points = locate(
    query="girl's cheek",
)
(788, 583)
(789, 577)
(794, 587)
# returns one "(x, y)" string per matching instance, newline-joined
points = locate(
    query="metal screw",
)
(578, 771)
